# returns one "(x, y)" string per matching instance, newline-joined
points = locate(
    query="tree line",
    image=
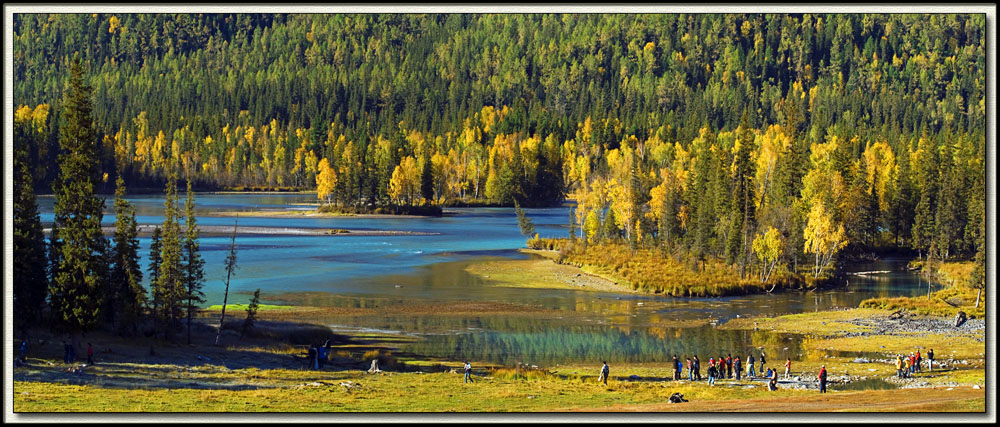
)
(259, 100)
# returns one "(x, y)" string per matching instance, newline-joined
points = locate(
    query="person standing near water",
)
(788, 367)
(605, 371)
(729, 366)
(697, 368)
(90, 354)
(690, 369)
(762, 361)
(738, 368)
(930, 359)
(750, 372)
(468, 372)
(822, 379)
(712, 372)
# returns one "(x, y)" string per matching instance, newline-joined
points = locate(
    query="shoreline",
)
(146, 230)
(268, 372)
(284, 213)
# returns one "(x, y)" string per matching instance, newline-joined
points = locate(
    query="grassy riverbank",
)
(956, 296)
(266, 372)
(618, 268)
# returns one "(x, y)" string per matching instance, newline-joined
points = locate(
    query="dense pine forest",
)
(758, 140)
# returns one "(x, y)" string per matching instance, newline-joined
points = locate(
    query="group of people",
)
(909, 365)
(726, 367)
(318, 355)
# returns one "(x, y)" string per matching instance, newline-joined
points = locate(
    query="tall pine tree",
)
(155, 259)
(129, 297)
(75, 293)
(30, 260)
(194, 265)
(171, 275)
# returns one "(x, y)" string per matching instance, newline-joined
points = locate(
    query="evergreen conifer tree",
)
(75, 293)
(194, 265)
(171, 274)
(128, 295)
(30, 259)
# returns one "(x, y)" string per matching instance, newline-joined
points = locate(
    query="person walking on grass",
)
(90, 354)
(909, 367)
(690, 369)
(468, 372)
(913, 364)
(677, 368)
(697, 368)
(917, 365)
(712, 372)
(750, 372)
(822, 379)
(899, 366)
(729, 366)
(605, 371)
(788, 367)
(930, 359)
(737, 368)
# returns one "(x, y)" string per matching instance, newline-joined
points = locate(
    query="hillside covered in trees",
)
(740, 137)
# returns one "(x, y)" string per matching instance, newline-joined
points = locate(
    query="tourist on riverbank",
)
(899, 366)
(822, 379)
(908, 368)
(677, 368)
(24, 351)
(917, 365)
(772, 380)
(750, 371)
(737, 368)
(690, 369)
(712, 372)
(930, 359)
(697, 368)
(90, 354)
(788, 367)
(468, 371)
(762, 361)
(312, 356)
(913, 364)
(605, 371)
(729, 366)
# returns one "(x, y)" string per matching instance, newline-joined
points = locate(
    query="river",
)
(570, 325)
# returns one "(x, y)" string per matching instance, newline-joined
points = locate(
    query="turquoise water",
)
(354, 271)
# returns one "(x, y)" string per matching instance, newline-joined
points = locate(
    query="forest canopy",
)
(704, 130)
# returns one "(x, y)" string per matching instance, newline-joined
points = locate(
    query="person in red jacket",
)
(822, 379)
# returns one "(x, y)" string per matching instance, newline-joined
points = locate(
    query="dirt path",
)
(913, 400)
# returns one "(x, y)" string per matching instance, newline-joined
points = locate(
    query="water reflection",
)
(544, 326)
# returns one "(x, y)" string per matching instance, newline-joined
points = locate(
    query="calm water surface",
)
(362, 271)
